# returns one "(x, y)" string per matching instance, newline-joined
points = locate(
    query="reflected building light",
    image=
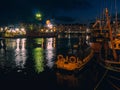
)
(18, 43)
(2, 51)
(21, 55)
(69, 42)
(39, 41)
(49, 42)
(50, 51)
(11, 43)
(49, 57)
(49, 45)
(1, 43)
(87, 39)
(20, 59)
(23, 44)
(38, 57)
(54, 42)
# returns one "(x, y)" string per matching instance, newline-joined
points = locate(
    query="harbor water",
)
(28, 63)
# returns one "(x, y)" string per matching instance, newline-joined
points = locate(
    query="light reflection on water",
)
(16, 54)
(20, 53)
(50, 51)
(38, 59)
(38, 55)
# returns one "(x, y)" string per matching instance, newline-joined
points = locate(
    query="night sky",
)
(63, 11)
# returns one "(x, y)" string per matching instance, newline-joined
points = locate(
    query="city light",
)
(38, 16)
(49, 24)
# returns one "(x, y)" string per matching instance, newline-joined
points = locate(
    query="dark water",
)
(28, 63)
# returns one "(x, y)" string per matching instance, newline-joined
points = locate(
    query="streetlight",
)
(38, 16)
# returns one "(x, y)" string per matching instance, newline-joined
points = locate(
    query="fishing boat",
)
(98, 34)
(76, 57)
(72, 62)
(110, 55)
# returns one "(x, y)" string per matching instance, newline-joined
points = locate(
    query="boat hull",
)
(66, 65)
(96, 47)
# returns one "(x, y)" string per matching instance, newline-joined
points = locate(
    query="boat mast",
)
(116, 23)
(110, 32)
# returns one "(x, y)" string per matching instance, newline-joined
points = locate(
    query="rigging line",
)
(115, 6)
(101, 9)
(105, 3)
(98, 84)
(111, 8)
(116, 13)
(115, 86)
(113, 77)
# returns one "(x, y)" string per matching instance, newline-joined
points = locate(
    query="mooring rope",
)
(116, 87)
(98, 84)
